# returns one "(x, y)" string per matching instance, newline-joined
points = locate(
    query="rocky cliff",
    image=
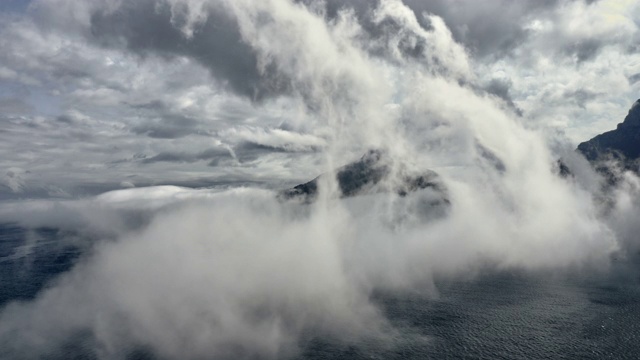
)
(621, 144)
(371, 174)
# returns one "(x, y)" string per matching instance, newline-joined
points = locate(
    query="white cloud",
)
(14, 179)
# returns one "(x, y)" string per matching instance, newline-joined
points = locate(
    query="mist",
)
(235, 271)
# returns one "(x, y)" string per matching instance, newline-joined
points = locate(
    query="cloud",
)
(249, 319)
(581, 96)
(502, 88)
(468, 22)
(169, 127)
(277, 139)
(581, 30)
(209, 154)
(634, 78)
(162, 76)
(212, 38)
(14, 179)
(230, 93)
(239, 274)
(14, 106)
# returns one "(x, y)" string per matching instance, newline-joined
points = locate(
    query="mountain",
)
(372, 173)
(622, 144)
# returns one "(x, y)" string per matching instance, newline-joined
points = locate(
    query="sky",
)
(106, 94)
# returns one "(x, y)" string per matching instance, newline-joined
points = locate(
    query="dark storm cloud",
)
(168, 126)
(634, 78)
(250, 151)
(487, 28)
(380, 31)
(162, 131)
(584, 50)
(502, 89)
(14, 105)
(495, 28)
(252, 146)
(580, 97)
(171, 157)
(14, 5)
(634, 46)
(333, 7)
(147, 27)
(151, 105)
(243, 151)
(156, 27)
(160, 121)
(183, 157)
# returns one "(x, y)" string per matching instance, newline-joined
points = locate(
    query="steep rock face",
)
(622, 144)
(365, 176)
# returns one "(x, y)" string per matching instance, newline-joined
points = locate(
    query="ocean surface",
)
(497, 315)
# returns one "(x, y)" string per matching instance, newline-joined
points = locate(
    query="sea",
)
(501, 314)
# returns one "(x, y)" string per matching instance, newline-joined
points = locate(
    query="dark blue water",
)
(496, 315)
(513, 316)
(30, 258)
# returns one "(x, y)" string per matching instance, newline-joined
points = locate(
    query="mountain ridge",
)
(622, 143)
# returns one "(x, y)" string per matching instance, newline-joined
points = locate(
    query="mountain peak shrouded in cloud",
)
(623, 143)
(146, 144)
(373, 173)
